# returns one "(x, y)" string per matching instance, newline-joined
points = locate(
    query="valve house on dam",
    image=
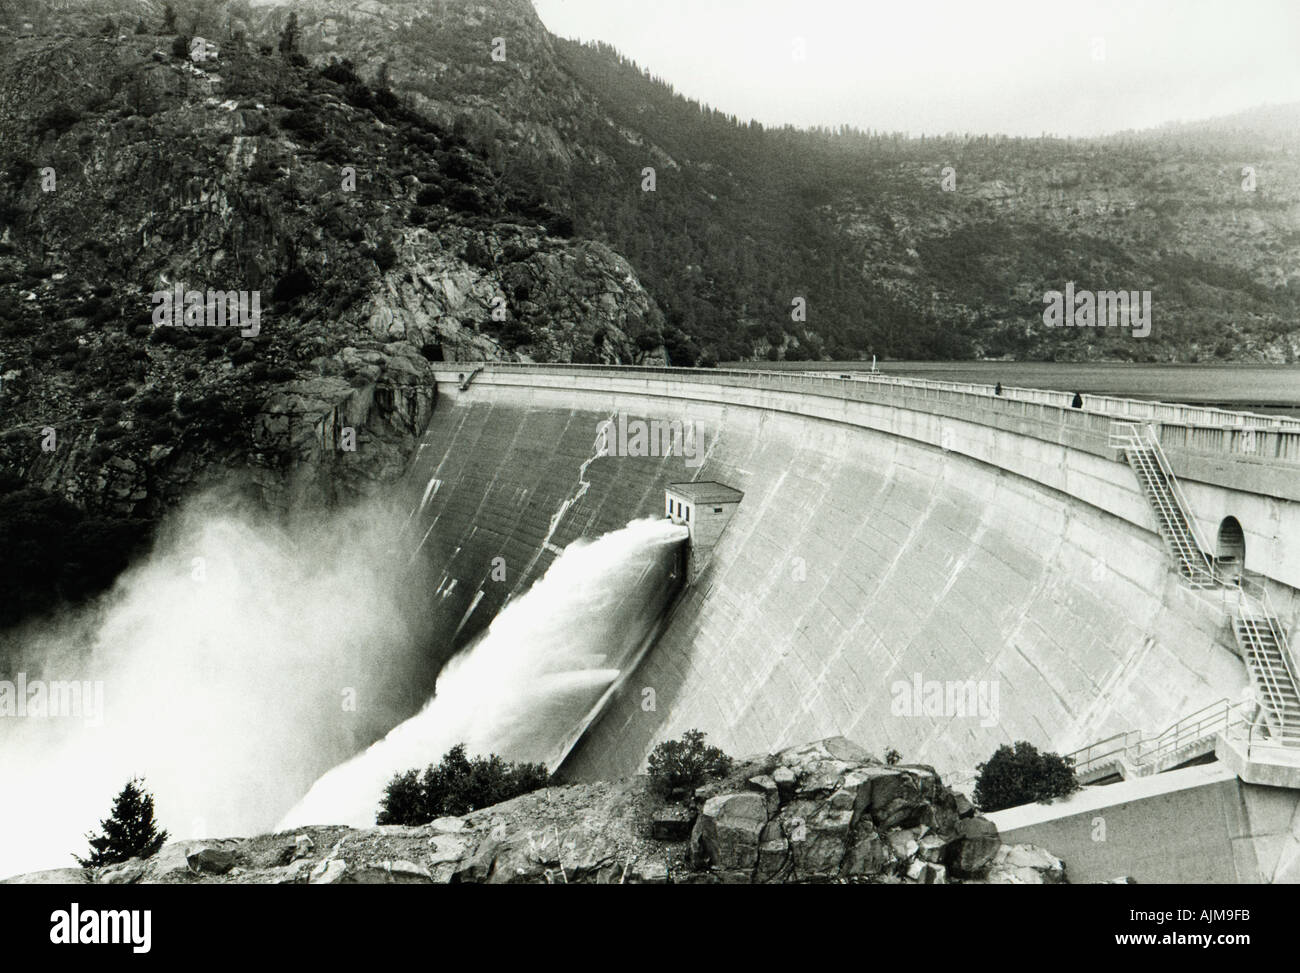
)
(704, 508)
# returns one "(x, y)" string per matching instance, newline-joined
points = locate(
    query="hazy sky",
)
(1014, 66)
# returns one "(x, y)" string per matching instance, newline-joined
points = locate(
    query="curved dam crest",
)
(862, 570)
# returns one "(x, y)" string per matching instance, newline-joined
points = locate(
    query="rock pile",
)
(824, 812)
(829, 811)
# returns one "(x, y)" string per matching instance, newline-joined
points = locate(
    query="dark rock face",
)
(361, 286)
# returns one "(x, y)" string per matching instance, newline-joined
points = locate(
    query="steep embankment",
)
(857, 561)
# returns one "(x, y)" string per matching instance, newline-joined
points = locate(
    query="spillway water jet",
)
(532, 677)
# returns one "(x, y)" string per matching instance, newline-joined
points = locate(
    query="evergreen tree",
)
(169, 19)
(289, 36)
(129, 832)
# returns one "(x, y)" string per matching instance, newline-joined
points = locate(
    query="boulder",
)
(818, 843)
(328, 872)
(388, 873)
(123, 873)
(727, 830)
(773, 853)
(973, 848)
(965, 808)
(1025, 865)
(53, 876)
(171, 865)
(302, 847)
(933, 848)
(785, 781)
(765, 784)
(903, 843)
(447, 848)
(479, 865)
(653, 872)
(447, 825)
(217, 861)
(867, 856)
(891, 797)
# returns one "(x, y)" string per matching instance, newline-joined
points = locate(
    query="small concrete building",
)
(704, 508)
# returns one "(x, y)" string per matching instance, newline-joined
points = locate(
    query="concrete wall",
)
(864, 554)
(1198, 825)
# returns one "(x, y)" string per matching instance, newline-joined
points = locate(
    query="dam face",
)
(939, 601)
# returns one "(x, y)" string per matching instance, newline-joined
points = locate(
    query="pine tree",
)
(289, 38)
(169, 19)
(128, 832)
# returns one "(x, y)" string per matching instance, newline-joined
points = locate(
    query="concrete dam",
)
(915, 565)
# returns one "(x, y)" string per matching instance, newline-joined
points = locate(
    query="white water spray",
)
(523, 687)
(225, 659)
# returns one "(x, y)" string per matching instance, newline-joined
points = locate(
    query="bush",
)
(677, 767)
(181, 46)
(58, 120)
(560, 226)
(1022, 775)
(385, 256)
(129, 832)
(455, 786)
(305, 123)
(467, 200)
(292, 286)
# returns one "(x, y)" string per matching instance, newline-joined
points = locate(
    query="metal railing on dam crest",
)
(1245, 435)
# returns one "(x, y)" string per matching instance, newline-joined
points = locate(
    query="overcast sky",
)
(1015, 66)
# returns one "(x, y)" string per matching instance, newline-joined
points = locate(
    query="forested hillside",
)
(900, 247)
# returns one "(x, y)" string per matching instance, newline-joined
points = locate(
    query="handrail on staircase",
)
(1132, 436)
(1260, 736)
(1246, 591)
(1138, 750)
(1176, 488)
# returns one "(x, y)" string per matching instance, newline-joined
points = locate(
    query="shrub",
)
(344, 72)
(478, 254)
(467, 200)
(292, 285)
(154, 404)
(58, 120)
(893, 757)
(129, 832)
(305, 123)
(385, 255)
(181, 46)
(456, 785)
(429, 195)
(560, 226)
(677, 767)
(1021, 775)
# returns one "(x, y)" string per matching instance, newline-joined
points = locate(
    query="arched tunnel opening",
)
(1230, 548)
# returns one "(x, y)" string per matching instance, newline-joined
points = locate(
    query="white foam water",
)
(521, 688)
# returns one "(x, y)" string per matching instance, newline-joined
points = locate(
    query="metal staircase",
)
(1264, 646)
(1142, 450)
(1272, 719)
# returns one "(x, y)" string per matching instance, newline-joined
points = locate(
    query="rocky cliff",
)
(375, 239)
(819, 813)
